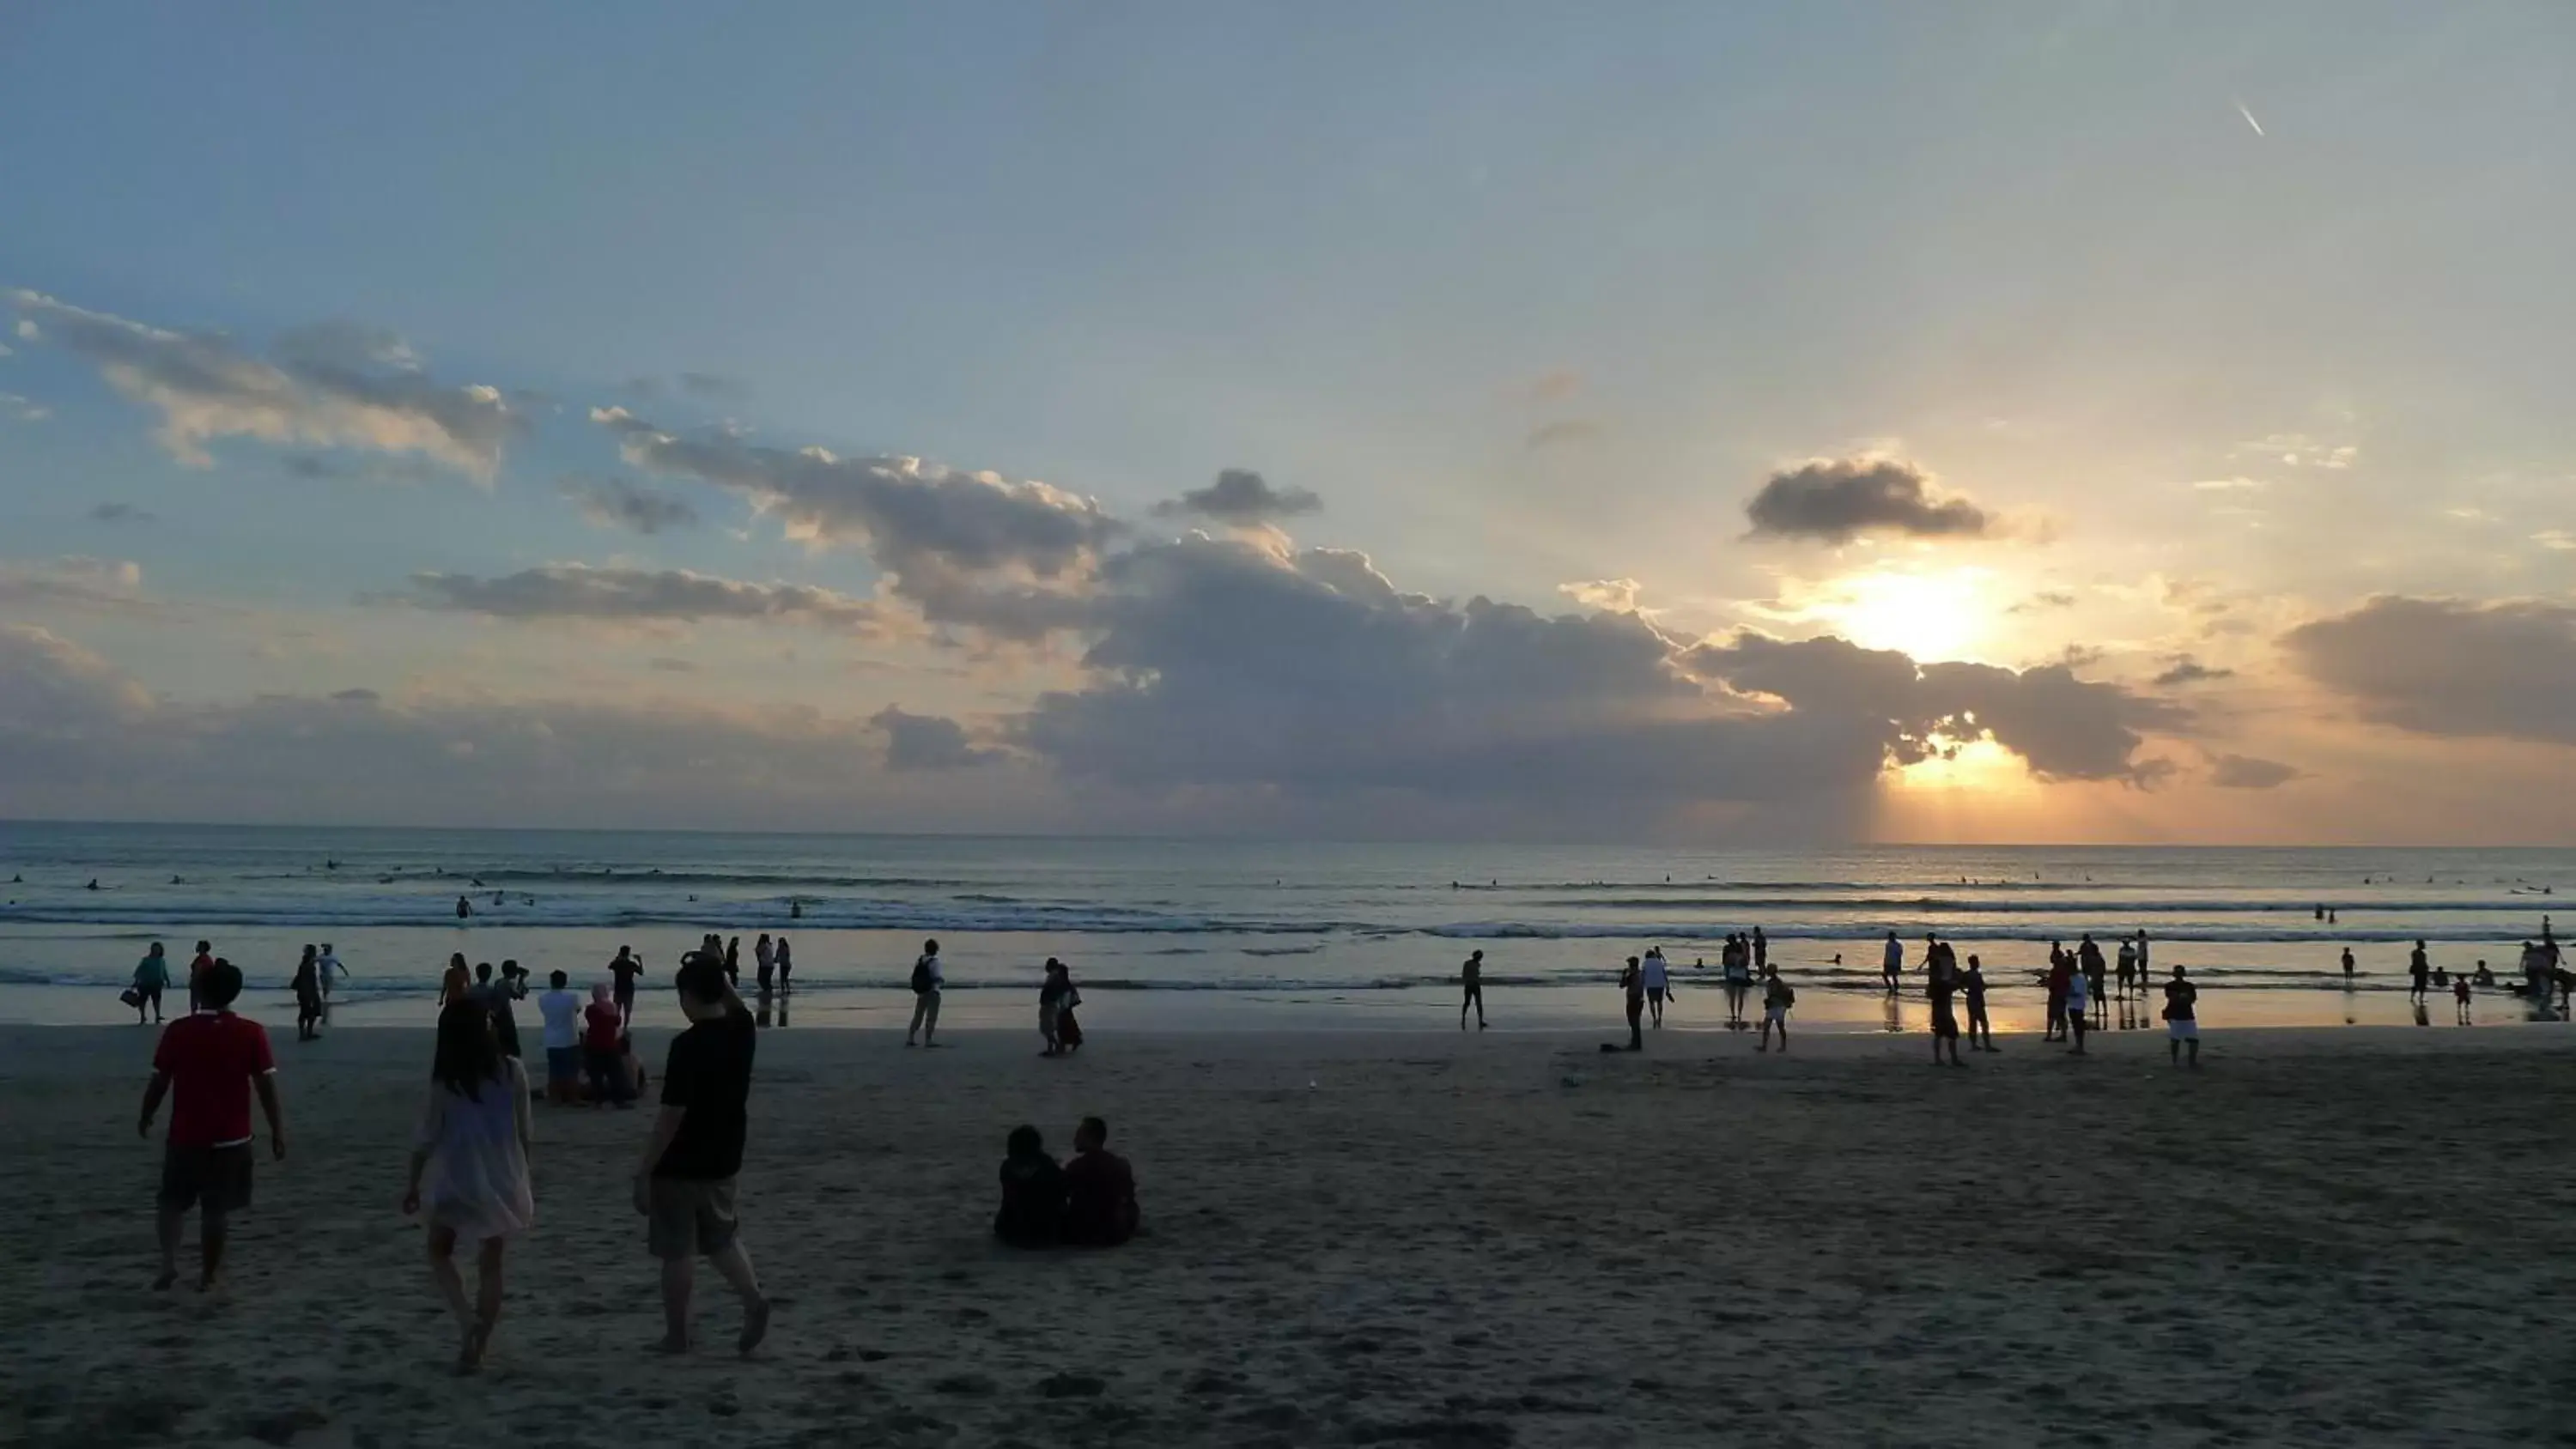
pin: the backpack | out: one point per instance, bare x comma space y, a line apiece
921, 982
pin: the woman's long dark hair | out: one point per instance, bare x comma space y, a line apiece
467, 1055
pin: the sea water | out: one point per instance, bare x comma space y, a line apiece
1216, 933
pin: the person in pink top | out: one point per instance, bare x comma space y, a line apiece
209, 1064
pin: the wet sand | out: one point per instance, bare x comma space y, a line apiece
1358, 1238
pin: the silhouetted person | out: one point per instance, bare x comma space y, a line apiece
1099, 1191
1472, 975
1033, 1191
2182, 1019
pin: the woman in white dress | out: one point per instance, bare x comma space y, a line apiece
469, 1168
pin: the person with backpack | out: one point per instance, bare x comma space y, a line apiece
1777, 997
926, 982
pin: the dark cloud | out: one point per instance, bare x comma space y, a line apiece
358, 467
120, 513
356, 696
1226, 663
333, 385
2186, 670
971, 549
620, 503
1241, 498
79, 739
2245, 772
2445, 667
929, 742
1838, 500
579, 591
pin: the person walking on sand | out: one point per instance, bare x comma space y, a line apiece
1471, 974
926, 983
621, 974
1892, 963
209, 1063
151, 978
469, 1170
326, 967
1777, 997
684, 1184
1052, 991
1632, 986
764, 961
1940, 986
2182, 1020
2419, 971
1659, 983
2079, 1001
1981, 1032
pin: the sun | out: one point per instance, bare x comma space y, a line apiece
1929, 616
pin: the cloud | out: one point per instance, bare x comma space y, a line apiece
579, 591
1619, 596
2298, 450
2445, 667
2186, 670
1243, 499
666, 665
928, 742
1243, 666
119, 513
2245, 772
22, 410
1838, 500
78, 738
336, 467
2232, 485
619, 503
705, 386
74, 582
335, 385
1565, 432
2556, 540
2048, 599
1015, 559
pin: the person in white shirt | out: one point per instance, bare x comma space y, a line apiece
1659, 983
561, 1009
326, 968
926, 981
1891, 963
2079, 994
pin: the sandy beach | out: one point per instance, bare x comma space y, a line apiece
1367, 1238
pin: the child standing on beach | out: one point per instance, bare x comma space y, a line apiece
2460, 997
210, 1064
469, 1168
1777, 997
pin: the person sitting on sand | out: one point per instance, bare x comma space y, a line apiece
1099, 1191
1777, 997
561, 1011
209, 1063
602, 1026
151, 978
2182, 1019
457, 984
469, 1169
2485, 977
1032, 1211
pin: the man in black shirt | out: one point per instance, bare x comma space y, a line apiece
684, 1185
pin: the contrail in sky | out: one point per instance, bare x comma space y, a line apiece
2249, 118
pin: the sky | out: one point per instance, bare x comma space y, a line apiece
1714, 424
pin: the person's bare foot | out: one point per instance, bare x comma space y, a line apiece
469, 1357
162, 1284
671, 1345
755, 1326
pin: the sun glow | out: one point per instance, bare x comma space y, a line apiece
1931, 616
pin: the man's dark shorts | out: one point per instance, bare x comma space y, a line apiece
219, 1177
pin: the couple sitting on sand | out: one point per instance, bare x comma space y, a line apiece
1089, 1202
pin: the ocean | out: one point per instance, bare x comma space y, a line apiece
1237, 933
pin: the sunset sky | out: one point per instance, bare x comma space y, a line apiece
1977, 422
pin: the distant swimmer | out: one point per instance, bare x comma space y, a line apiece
93, 884
464, 909
1471, 974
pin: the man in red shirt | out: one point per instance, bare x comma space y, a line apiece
209, 1064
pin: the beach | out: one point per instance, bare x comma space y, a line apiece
1376, 1237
